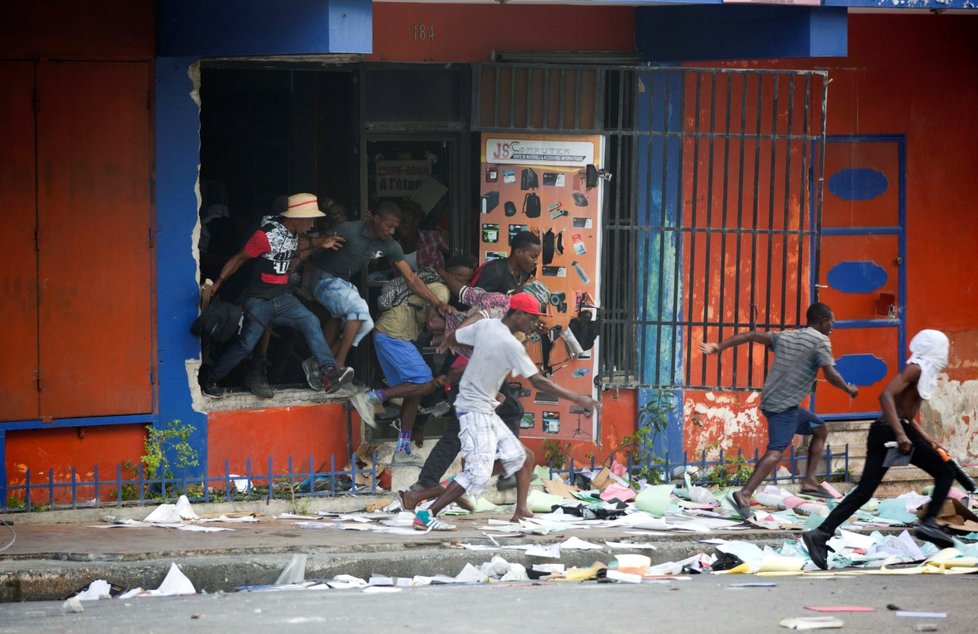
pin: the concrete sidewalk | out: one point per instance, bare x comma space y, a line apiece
56, 553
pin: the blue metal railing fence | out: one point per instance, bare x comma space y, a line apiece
137, 489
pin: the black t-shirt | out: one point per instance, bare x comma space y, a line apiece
272, 248
496, 277
357, 251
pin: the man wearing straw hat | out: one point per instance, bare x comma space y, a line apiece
273, 247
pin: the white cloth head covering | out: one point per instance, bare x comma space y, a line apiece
928, 349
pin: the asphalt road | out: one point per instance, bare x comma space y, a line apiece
707, 603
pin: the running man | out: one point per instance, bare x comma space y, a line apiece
900, 402
798, 354
488, 445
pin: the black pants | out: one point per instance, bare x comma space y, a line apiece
443, 453
924, 457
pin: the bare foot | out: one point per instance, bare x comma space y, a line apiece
407, 500
810, 485
521, 514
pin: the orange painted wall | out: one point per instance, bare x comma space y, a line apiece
468, 33
925, 88
83, 448
300, 432
618, 415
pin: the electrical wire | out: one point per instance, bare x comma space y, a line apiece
13, 534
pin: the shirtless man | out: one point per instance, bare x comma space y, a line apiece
900, 402
488, 445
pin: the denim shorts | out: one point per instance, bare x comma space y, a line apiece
781, 426
400, 360
343, 300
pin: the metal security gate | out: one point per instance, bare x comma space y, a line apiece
711, 217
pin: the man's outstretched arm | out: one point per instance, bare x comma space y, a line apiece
754, 336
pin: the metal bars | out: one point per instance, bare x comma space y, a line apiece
711, 219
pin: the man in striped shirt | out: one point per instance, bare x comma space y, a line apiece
798, 355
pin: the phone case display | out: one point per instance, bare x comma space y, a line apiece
537, 183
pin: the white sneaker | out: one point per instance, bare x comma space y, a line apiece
365, 407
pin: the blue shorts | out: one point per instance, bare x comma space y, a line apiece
781, 426
343, 300
400, 360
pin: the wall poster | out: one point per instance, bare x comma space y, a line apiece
537, 183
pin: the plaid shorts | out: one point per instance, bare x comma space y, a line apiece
485, 439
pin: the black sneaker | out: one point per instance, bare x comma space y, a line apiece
256, 380
506, 483
311, 369
335, 378
816, 542
211, 389
929, 531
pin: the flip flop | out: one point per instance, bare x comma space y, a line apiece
816, 493
744, 511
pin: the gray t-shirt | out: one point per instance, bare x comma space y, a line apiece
496, 353
798, 354
358, 250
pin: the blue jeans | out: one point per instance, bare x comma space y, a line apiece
284, 310
343, 300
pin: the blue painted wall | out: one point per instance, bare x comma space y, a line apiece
740, 32
178, 296
208, 28
659, 110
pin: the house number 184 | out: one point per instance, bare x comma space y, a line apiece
423, 32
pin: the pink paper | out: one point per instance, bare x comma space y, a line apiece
618, 492
618, 469
956, 494
832, 490
792, 501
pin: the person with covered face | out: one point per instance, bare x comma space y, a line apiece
900, 403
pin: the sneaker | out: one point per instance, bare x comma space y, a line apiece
929, 531
506, 483
335, 378
211, 389
257, 381
364, 405
311, 369
425, 521
816, 542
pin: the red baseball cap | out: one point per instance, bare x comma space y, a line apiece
526, 303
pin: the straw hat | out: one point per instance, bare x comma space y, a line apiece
303, 206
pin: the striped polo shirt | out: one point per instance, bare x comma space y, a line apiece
798, 354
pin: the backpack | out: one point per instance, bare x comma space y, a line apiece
528, 179
585, 329
219, 322
531, 205
395, 291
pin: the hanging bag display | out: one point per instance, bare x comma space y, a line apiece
531, 205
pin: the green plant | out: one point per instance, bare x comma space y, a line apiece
653, 419
175, 436
555, 453
729, 471
128, 491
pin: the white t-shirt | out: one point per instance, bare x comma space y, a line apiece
496, 353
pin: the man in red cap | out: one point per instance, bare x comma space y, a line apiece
488, 445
